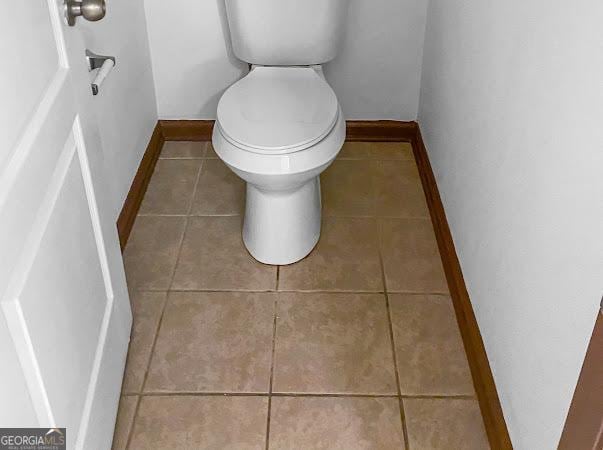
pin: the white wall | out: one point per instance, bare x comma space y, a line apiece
125, 107
378, 72
376, 75
511, 109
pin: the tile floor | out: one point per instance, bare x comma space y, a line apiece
354, 347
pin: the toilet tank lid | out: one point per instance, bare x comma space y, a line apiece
278, 109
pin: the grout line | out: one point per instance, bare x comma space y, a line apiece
278, 276
205, 148
393, 345
202, 394
159, 215
186, 222
216, 215
147, 368
271, 370
317, 291
182, 158
155, 337
441, 294
164, 306
332, 395
157, 328
133, 424
165, 301
195, 187
300, 394
439, 397
180, 245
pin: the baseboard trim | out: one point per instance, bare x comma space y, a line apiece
187, 130
356, 130
379, 131
584, 422
131, 205
483, 380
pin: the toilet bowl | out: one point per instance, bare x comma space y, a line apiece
278, 128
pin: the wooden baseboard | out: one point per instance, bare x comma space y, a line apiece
584, 423
382, 131
483, 380
356, 130
126, 218
187, 130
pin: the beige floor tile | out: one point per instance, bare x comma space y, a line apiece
445, 424
429, 349
398, 190
210, 153
392, 150
146, 312
214, 342
219, 192
216, 422
335, 423
356, 150
376, 150
151, 253
183, 149
125, 418
410, 256
213, 256
171, 188
333, 343
347, 188
346, 258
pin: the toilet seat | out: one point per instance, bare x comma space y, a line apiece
277, 110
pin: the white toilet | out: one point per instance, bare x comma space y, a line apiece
281, 125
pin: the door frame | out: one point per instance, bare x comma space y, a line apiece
584, 424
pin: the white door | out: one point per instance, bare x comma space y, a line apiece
65, 317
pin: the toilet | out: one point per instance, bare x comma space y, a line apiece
281, 125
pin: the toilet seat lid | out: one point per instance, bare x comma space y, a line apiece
278, 110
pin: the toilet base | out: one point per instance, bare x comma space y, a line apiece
282, 227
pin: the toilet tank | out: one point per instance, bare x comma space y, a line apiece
286, 32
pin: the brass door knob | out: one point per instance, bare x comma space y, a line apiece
91, 10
